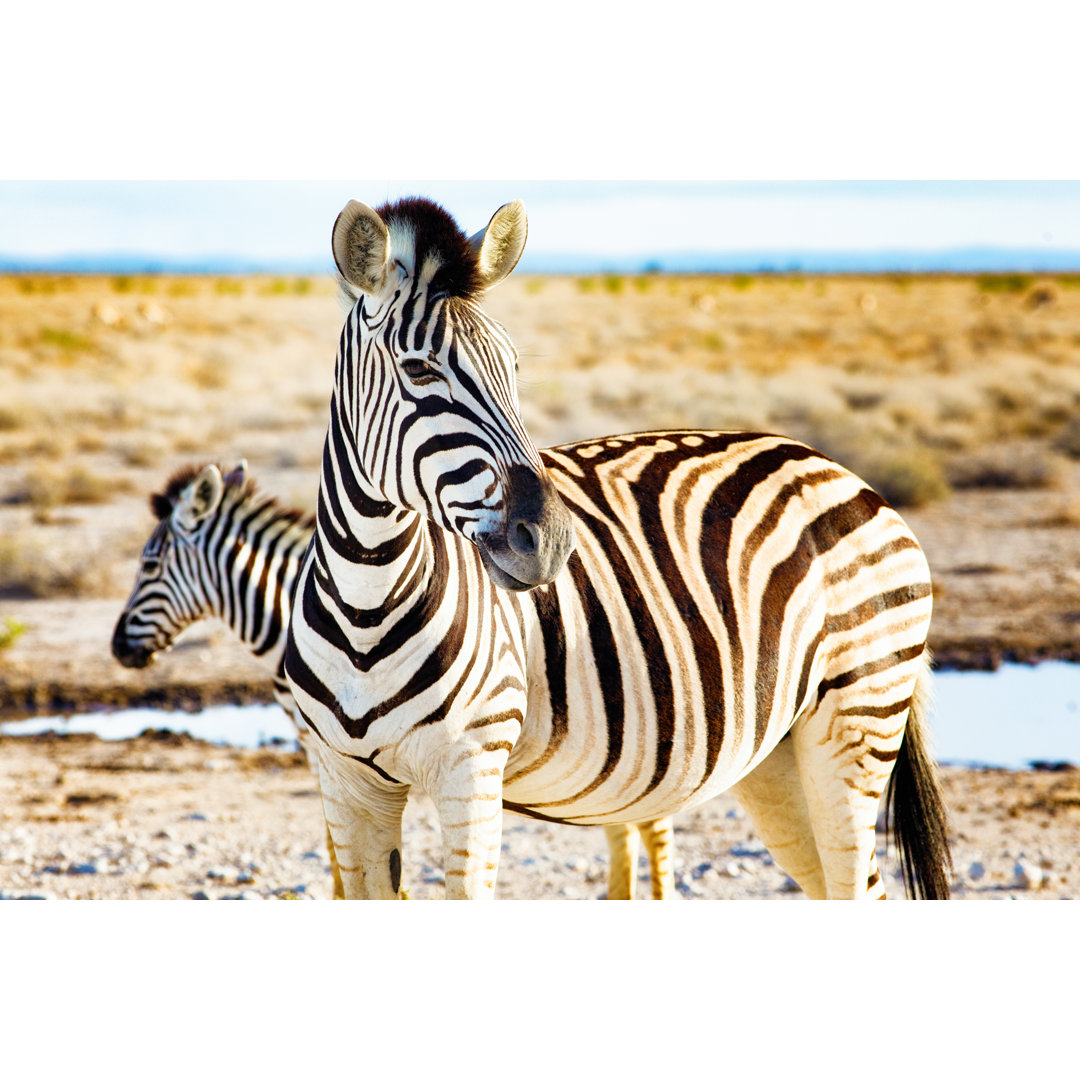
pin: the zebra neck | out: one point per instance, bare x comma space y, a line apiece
377, 570
258, 557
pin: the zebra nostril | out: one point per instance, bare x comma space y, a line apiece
525, 538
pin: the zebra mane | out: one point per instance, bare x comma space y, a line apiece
436, 233
163, 502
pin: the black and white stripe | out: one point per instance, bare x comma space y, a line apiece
223, 548
738, 611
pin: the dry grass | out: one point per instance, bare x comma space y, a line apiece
36, 566
48, 487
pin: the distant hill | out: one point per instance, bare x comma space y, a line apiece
972, 260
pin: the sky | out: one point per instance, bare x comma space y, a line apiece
289, 221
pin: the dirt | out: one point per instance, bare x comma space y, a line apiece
165, 816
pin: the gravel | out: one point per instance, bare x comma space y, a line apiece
145, 818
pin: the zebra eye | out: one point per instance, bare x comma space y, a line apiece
151, 564
420, 371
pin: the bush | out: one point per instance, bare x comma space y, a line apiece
10, 632
907, 478
30, 568
1016, 468
1003, 283
1068, 439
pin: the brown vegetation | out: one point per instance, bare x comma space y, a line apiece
956, 397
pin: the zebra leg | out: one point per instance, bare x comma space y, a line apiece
658, 837
468, 799
307, 744
774, 800
845, 752
622, 867
363, 820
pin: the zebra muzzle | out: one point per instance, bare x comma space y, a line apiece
536, 536
132, 654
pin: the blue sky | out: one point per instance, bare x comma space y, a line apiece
291, 219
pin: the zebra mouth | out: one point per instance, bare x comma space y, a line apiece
137, 656
500, 577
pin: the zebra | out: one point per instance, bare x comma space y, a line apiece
222, 547
604, 632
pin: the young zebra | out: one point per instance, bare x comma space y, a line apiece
738, 612
222, 547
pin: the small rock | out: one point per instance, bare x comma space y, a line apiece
244, 878
201, 895
976, 871
790, 885
82, 868
735, 815
194, 817
570, 893
578, 863
751, 849
1027, 876
731, 869
217, 873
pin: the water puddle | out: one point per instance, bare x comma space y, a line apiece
1006, 718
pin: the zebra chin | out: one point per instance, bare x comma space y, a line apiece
516, 574
131, 654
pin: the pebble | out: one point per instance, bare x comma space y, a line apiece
83, 868
1027, 876
578, 862
976, 871
751, 849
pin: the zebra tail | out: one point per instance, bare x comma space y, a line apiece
914, 805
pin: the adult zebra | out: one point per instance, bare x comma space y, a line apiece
222, 547
739, 612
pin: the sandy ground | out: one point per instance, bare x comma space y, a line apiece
110, 384
169, 817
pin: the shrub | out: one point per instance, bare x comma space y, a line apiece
47, 487
907, 478
1017, 468
10, 632
1068, 439
1003, 283
31, 568
65, 339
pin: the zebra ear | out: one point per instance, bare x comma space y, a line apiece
499, 246
361, 246
200, 498
238, 475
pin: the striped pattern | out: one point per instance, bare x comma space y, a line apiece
739, 613
240, 563
220, 548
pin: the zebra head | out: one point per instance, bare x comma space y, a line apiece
171, 584
426, 385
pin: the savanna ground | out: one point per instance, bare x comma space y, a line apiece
956, 397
